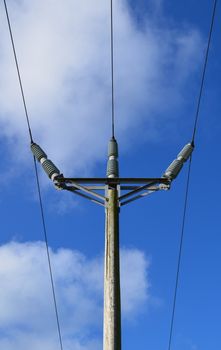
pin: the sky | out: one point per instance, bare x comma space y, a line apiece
63, 51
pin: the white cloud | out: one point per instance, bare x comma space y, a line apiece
136, 283
27, 317
63, 50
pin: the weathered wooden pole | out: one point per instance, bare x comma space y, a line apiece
112, 303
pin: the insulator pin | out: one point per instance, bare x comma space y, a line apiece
51, 170
186, 152
112, 164
38, 152
175, 167
112, 168
113, 148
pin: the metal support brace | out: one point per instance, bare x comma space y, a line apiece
84, 189
89, 192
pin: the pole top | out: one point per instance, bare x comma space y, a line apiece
112, 164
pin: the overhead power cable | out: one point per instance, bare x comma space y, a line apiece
204, 70
112, 69
205, 64
37, 178
17, 68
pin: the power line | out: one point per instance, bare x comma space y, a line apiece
188, 176
48, 254
18, 71
180, 253
112, 69
37, 178
204, 70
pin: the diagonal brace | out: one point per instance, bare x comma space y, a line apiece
89, 191
137, 190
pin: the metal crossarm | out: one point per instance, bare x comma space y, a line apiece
112, 181
80, 187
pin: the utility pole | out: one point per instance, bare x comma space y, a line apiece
112, 301
112, 200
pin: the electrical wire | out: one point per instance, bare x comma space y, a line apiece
112, 69
48, 254
18, 71
37, 178
204, 70
180, 253
189, 176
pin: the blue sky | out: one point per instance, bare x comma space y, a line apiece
63, 50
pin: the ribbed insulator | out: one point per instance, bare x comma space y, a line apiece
186, 152
174, 169
38, 151
50, 168
113, 148
112, 168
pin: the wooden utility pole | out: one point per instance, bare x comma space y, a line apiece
112, 303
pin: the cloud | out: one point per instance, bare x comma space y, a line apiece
64, 54
27, 316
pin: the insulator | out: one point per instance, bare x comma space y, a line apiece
113, 148
186, 152
112, 164
38, 151
174, 169
50, 168
112, 168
